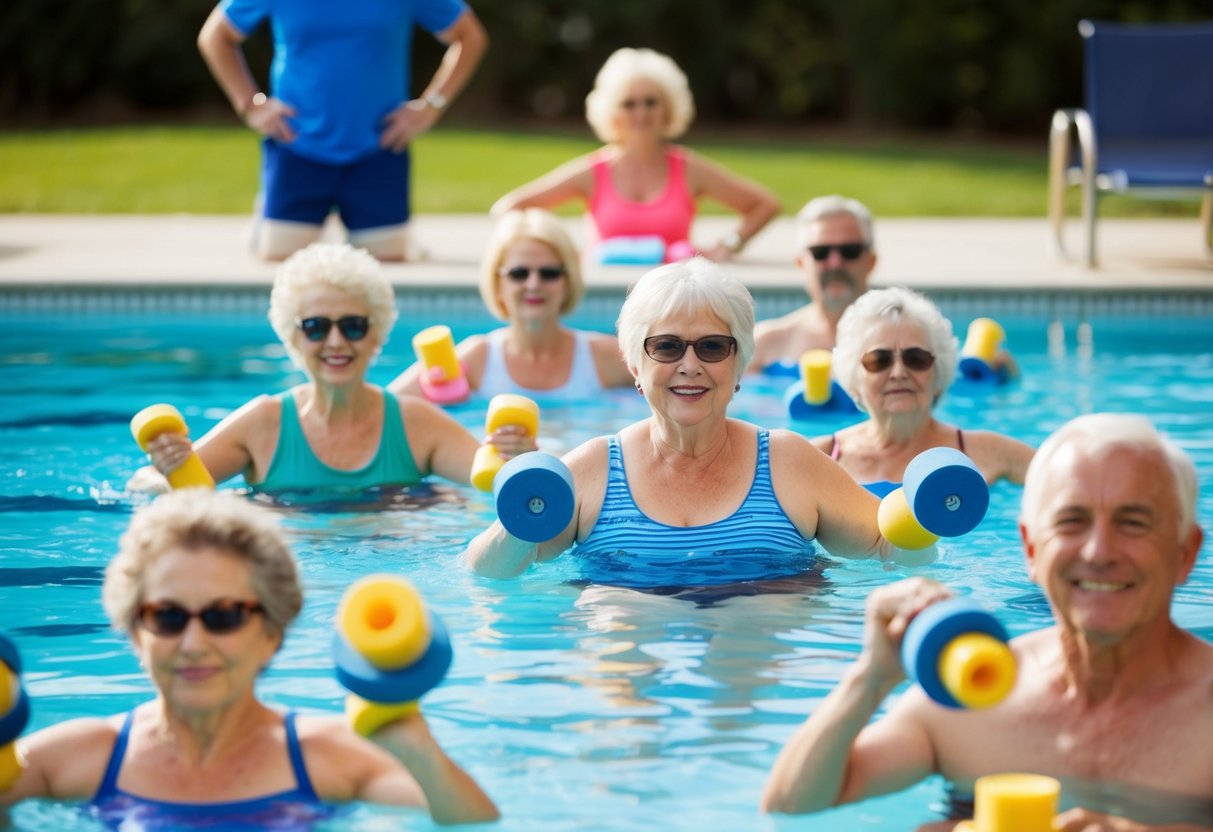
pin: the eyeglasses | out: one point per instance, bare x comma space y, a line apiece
167, 618
711, 349
352, 327
519, 274
649, 102
914, 358
849, 251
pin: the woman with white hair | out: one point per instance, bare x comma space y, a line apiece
333, 309
641, 184
689, 496
206, 586
530, 277
895, 357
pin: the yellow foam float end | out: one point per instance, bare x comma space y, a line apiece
898, 524
436, 348
512, 409
983, 339
485, 466
368, 717
8, 689
977, 669
384, 619
1015, 803
10, 766
152, 421
815, 372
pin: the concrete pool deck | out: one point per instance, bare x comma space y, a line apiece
64, 251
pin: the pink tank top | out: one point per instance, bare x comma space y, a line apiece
669, 216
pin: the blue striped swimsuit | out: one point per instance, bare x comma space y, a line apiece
628, 548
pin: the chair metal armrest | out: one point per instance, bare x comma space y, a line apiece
1076, 122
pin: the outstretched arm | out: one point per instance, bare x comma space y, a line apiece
572, 180
833, 758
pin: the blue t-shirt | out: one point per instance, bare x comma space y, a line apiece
342, 65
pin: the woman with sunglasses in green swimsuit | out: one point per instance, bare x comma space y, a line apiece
205, 585
895, 357
333, 310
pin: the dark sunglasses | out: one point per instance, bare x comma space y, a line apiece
649, 102
519, 274
914, 358
849, 251
670, 348
352, 327
170, 619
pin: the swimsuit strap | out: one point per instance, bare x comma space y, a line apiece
109, 782
303, 783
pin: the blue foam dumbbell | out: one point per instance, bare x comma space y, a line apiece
957, 653
946, 492
534, 496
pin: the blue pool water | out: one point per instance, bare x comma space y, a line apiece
577, 708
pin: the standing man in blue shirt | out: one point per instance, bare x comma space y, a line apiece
338, 118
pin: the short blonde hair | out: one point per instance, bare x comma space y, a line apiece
693, 286
622, 68
340, 266
193, 519
1103, 431
892, 304
530, 224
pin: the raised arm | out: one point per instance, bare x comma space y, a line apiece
835, 756
472, 353
466, 42
62, 762
220, 44
572, 180
756, 205
998, 456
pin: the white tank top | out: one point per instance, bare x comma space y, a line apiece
582, 382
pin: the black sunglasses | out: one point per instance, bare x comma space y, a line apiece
914, 358
352, 327
649, 102
167, 618
849, 251
519, 274
670, 348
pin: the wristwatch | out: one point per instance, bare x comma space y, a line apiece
435, 99
732, 241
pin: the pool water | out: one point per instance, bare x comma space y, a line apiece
588, 708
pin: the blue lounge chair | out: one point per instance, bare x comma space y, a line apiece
1147, 128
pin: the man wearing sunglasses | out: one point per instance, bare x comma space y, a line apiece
836, 255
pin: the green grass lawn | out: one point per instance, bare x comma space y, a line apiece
213, 170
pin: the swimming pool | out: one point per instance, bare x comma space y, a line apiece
577, 708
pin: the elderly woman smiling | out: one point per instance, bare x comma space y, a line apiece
333, 310
530, 277
690, 496
896, 355
205, 585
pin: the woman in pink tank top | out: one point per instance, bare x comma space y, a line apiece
640, 188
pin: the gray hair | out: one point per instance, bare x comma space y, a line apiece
829, 206
1112, 430
530, 224
340, 266
622, 68
193, 519
692, 286
892, 304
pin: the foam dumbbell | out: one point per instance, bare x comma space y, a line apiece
943, 494
152, 421
14, 712
533, 493
388, 650
442, 379
1013, 803
957, 653
816, 394
504, 409
982, 341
